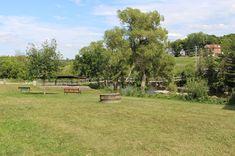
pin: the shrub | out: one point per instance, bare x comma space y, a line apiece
131, 91
172, 87
94, 86
231, 100
197, 90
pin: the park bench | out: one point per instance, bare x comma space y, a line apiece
71, 90
24, 88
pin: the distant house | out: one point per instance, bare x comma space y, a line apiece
214, 48
182, 52
170, 51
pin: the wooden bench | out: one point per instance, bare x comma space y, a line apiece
24, 89
71, 90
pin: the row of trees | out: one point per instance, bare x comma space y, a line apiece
40, 63
199, 40
136, 48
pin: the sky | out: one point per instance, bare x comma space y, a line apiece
76, 23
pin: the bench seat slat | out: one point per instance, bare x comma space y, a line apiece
72, 90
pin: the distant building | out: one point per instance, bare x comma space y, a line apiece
214, 48
170, 51
182, 52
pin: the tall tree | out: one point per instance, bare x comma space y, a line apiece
228, 48
230, 70
119, 52
177, 46
146, 38
44, 62
195, 39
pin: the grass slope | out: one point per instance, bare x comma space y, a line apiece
58, 124
181, 62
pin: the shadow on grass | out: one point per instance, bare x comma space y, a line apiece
39, 93
229, 107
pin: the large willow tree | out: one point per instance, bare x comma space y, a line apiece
147, 41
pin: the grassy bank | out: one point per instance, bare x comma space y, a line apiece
182, 62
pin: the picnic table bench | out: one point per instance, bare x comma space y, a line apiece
71, 90
24, 88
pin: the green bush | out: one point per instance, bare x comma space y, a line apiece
231, 100
197, 90
172, 87
94, 86
131, 91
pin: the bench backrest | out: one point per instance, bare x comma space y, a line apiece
71, 90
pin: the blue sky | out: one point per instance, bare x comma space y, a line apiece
75, 23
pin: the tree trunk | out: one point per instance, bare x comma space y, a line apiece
129, 74
143, 81
106, 83
44, 88
115, 86
122, 82
98, 82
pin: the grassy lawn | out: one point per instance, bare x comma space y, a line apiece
58, 124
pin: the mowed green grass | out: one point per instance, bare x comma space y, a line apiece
181, 62
58, 124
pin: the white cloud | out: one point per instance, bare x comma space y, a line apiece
185, 16
175, 35
78, 2
60, 18
104, 10
17, 32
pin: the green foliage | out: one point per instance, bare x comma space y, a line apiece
231, 100
211, 68
44, 62
182, 62
91, 61
228, 43
66, 68
13, 67
198, 39
119, 53
197, 89
177, 46
172, 87
94, 86
230, 70
137, 49
163, 68
147, 40
189, 71
131, 91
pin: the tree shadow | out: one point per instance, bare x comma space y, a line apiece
229, 107
39, 93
